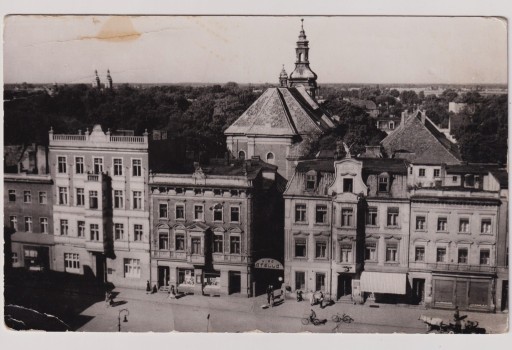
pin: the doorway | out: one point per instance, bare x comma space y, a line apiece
234, 282
461, 295
100, 268
344, 285
418, 290
320, 282
163, 276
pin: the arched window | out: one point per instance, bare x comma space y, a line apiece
241, 155
270, 158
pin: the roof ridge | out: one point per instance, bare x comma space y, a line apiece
302, 107
287, 111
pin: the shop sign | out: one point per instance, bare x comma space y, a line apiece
268, 263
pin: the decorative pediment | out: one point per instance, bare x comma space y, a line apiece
486, 243
464, 241
219, 229
235, 230
443, 240
396, 237
372, 235
344, 238
162, 226
300, 233
179, 227
323, 233
198, 227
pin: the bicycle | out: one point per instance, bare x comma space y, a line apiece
306, 320
342, 318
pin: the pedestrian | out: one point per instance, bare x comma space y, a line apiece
172, 294
107, 298
321, 300
312, 298
272, 299
148, 288
154, 289
269, 291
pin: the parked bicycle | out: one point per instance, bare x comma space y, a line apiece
342, 318
306, 320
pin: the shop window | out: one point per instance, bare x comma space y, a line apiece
348, 185
300, 213
180, 242
132, 268
464, 225
218, 244
72, 262
486, 227
346, 253
393, 217
441, 255
371, 216
485, 257
442, 224
420, 223
321, 214
347, 217
419, 253
300, 248
137, 232
321, 250
234, 244
392, 252
370, 251
300, 280
462, 256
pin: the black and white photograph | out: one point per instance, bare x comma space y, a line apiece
276, 174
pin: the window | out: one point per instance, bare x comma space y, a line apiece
180, 241
300, 280
12, 195
28, 224
485, 227
43, 225
137, 232
419, 253
95, 232
300, 248
410, 171
196, 246
391, 125
393, 216
370, 251
321, 250
62, 166
392, 252
421, 172
137, 200
163, 241
310, 182
300, 213
198, 213
270, 158
383, 183
320, 281
485, 257
63, 195
462, 256
241, 155
79, 165
321, 214
420, 223
235, 214
118, 199
80, 197
71, 262
346, 253
118, 231
218, 244
455, 178
14, 258
234, 244
371, 216
93, 199
132, 268
441, 255
64, 227
136, 167
98, 165
464, 225
43, 198
27, 197
162, 209
442, 223
180, 212
347, 217
437, 172
81, 228
348, 185
118, 167
13, 222
217, 212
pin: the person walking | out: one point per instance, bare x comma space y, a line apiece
312, 300
269, 292
148, 288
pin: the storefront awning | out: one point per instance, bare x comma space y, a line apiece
380, 282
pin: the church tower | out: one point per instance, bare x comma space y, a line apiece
303, 75
109, 80
283, 78
96, 82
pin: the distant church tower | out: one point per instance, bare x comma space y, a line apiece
109, 80
283, 78
303, 75
96, 82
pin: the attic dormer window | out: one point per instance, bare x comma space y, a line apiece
348, 185
384, 182
310, 182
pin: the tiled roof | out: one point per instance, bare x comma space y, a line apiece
423, 141
470, 168
282, 112
502, 176
366, 104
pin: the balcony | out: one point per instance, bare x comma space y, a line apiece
93, 177
453, 267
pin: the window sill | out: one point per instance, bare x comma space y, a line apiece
391, 263
322, 223
464, 233
321, 259
301, 223
180, 219
486, 234
393, 227
370, 261
443, 232
300, 257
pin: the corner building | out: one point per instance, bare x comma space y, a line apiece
101, 217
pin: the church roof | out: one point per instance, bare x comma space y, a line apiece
428, 145
282, 112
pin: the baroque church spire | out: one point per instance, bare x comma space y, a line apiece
303, 75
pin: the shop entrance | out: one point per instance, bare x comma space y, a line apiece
163, 276
234, 282
418, 290
461, 295
344, 285
37, 258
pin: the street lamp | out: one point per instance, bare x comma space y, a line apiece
127, 312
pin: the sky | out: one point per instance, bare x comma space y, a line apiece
214, 49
